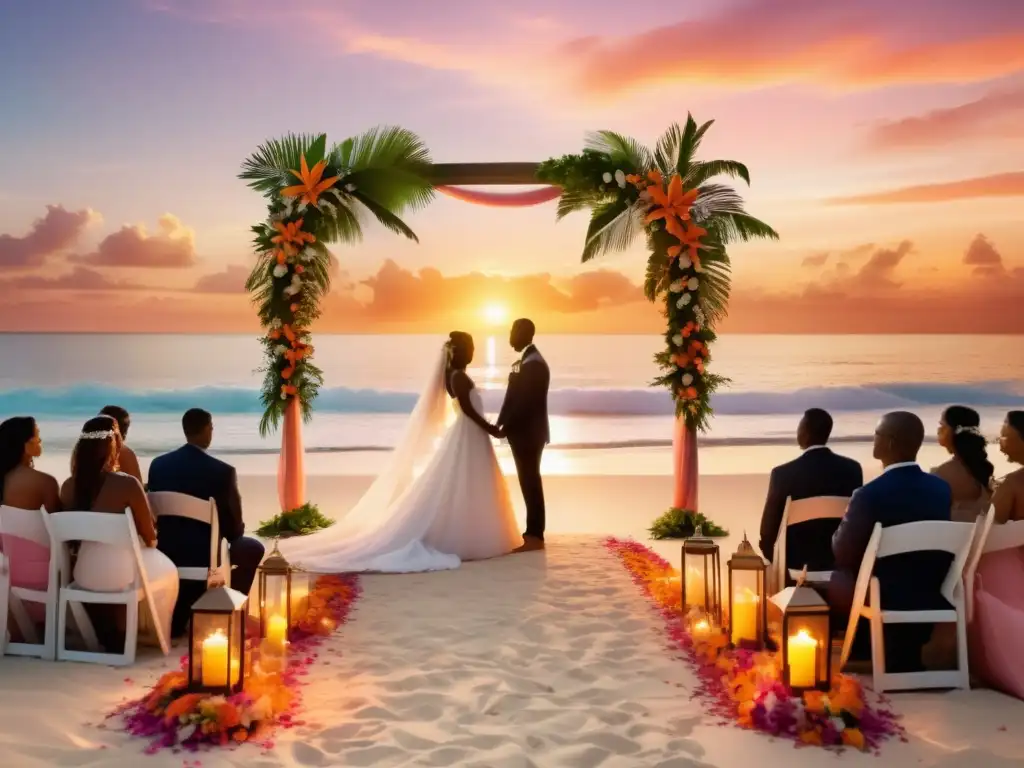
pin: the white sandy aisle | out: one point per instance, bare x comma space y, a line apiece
531, 660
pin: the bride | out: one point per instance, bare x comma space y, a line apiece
458, 508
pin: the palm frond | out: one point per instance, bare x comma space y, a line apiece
621, 149
388, 219
690, 143
571, 201
744, 227
342, 226
656, 279
613, 226
395, 188
718, 199
269, 168
702, 171
666, 153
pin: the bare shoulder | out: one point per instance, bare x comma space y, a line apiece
463, 380
944, 469
1015, 480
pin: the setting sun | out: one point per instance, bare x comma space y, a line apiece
495, 314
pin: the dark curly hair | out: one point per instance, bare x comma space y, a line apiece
460, 355
15, 433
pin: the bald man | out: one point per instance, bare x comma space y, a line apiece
904, 493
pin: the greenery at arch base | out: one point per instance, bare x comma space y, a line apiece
319, 195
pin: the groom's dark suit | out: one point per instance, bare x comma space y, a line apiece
524, 420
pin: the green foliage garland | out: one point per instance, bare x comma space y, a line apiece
628, 189
317, 196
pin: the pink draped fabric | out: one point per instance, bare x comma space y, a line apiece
684, 464
291, 474
503, 199
998, 623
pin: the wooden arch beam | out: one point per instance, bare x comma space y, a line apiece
484, 174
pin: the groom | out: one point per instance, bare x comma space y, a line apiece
524, 422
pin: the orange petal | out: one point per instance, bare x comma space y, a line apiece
675, 189
660, 213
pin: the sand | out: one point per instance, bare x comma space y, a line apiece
540, 659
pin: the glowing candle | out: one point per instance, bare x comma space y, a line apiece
694, 587
277, 632
744, 617
802, 657
215, 661
701, 630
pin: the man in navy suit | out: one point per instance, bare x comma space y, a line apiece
816, 472
904, 493
194, 472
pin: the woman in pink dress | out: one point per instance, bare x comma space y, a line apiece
24, 490
998, 622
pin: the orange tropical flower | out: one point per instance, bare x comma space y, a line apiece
290, 235
671, 203
691, 239
312, 187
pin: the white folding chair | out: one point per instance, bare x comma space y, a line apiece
116, 531
924, 536
802, 511
5, 587
27, 527
170, 504
990, 538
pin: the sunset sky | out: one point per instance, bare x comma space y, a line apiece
885, 142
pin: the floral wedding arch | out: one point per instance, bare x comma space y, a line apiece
318, 196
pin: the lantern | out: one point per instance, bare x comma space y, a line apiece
747, 605
806, 638
702, 577
217, 658
283, 596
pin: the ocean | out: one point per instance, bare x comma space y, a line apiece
599, 395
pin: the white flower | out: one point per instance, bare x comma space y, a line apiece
350, 187
620, 179
280, 270
330, 208
284, 396
606, 178
676, 287
684, 262
678, 339
302, 206
771, 699
280, 349
276, 323
687, 379
685, 299
838, 724
261, 708
693, 283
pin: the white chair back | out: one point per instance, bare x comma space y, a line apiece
28, 524
990, 538
170, 504
933, 536
98, 527
802, 511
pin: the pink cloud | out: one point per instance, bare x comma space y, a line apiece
999, 114
78, 279
997, 185
132, 246
55, 232
230, 280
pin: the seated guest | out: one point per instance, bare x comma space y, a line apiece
912, 581
24, 486
816, 472
25, 490
127, 461
194, 472
95, 486
968, 472
1008, 499
998, 620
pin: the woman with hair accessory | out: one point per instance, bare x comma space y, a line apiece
968, 471
95, 485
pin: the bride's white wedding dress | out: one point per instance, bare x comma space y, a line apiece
456, 508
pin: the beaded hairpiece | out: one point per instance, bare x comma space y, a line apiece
102, 434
